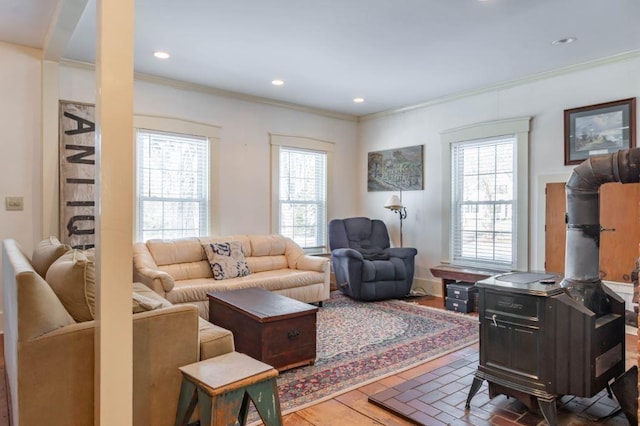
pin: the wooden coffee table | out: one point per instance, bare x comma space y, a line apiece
274, 329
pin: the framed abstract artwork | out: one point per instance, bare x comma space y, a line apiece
395, 169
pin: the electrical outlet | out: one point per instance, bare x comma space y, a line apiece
14, 203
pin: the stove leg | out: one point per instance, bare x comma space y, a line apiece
549, 411
609, 391
477, 382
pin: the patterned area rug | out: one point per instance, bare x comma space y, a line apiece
361, 342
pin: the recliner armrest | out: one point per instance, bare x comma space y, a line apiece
401, 252
347, 252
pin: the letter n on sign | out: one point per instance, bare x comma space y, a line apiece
77, 174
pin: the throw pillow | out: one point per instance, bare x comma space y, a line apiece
226, 260
46, 252
72, 278
143, 303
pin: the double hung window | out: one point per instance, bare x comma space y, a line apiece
303, 196
300, 168
486, 195
483, 209
173, 188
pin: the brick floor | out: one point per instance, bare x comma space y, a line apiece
438, 397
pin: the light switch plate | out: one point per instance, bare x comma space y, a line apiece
14, 203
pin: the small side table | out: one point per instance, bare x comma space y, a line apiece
332, 276
223, 386
451, 274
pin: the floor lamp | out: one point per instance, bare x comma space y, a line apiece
395, 205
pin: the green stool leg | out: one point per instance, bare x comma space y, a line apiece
204, 400
186, 403
244, 410
265, 397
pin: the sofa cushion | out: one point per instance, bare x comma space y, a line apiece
214, 340
72, 277
188, 291
46, 252
226, 260
170, 252
268, 245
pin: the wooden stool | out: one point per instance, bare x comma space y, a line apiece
223, 386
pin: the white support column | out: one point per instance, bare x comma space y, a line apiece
114, 204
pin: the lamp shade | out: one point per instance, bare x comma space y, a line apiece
393, 203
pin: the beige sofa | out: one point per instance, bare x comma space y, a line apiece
49, 356
179, 269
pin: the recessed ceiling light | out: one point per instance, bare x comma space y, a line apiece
277, 82
161, 55
358, 100
563, 41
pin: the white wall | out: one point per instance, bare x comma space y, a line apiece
244, 172
543, 99
19, 137
244, 147
20, 134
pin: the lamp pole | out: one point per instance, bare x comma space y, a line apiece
403, 215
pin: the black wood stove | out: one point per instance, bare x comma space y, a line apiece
538, 343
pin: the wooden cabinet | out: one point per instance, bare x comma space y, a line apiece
620, 218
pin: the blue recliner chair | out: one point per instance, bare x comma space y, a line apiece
364, 264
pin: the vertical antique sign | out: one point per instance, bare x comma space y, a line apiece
77, 174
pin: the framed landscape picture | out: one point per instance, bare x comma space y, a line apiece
599, 129
395, 169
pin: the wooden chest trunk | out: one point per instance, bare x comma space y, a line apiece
274, 329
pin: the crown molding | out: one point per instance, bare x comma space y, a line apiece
183, 85
505, 85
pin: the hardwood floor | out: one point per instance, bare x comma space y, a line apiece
4, 407
354, 409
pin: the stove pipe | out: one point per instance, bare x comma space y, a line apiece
582, 278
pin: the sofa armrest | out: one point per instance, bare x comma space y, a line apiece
163, 340
158, 281
59, 363
312, 263
146, 271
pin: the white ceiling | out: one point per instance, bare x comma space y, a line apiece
393, 53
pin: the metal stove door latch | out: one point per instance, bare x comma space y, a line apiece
493, 317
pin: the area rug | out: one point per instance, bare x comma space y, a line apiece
361, 342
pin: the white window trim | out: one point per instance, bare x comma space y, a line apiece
276, 141
519, 127
186, 127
